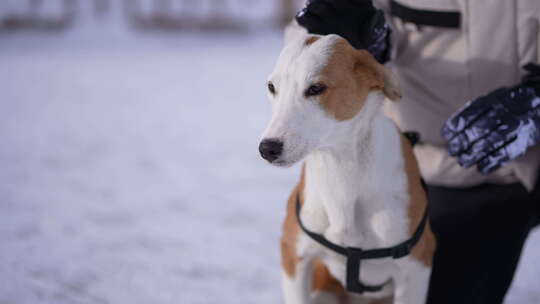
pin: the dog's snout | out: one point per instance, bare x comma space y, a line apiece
271, 149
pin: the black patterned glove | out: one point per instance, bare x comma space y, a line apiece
499, 127
358, 21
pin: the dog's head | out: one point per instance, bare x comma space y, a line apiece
317, 89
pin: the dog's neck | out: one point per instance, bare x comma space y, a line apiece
350, 184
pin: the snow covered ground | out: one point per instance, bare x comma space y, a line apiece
130, 171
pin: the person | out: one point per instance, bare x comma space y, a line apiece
460, 65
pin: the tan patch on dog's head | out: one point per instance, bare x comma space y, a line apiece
350, 75
311, 39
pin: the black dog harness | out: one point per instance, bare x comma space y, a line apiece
356, 255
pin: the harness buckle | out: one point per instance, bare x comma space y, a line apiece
354, 252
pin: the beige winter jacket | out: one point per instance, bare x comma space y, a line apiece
440, 69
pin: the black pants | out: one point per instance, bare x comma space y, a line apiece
480, 234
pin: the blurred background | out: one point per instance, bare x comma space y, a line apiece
129, 170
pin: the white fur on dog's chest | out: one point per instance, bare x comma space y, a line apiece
358, 198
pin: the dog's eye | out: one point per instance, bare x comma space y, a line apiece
271, 88
315, 89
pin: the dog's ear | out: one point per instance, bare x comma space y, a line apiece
391, 89
376, 76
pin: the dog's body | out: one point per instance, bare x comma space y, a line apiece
360, 185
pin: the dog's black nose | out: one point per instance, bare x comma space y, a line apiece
271, 149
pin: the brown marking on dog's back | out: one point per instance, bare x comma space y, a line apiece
289, 237
350, 75
424, 249
311, 39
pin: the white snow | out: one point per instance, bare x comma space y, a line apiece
130, 171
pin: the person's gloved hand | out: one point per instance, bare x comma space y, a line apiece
499, 127
358, 21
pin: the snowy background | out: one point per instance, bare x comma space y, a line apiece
129, 170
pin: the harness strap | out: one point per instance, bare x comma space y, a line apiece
356, 255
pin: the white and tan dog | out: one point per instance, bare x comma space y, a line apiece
360, 184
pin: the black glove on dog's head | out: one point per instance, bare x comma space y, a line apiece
358, 21
499, 127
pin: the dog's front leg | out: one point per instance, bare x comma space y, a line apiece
297, 284
412, 283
